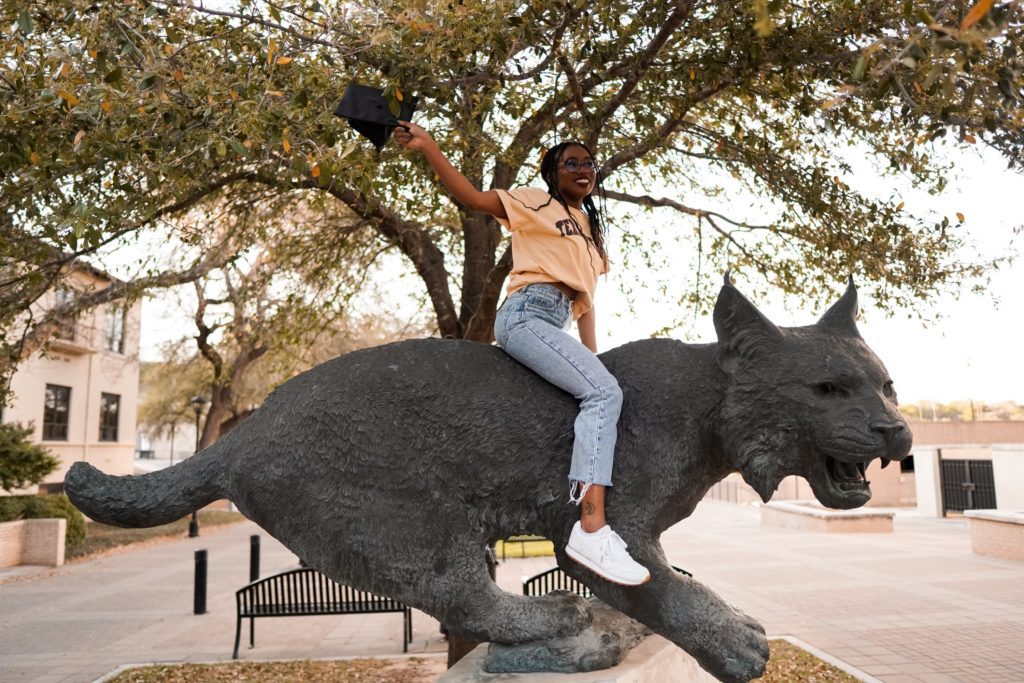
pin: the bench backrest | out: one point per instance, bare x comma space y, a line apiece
556, 579
307, 591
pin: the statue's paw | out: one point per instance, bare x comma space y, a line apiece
741, 651
569, 613
601, 645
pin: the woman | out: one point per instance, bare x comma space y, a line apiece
557, 253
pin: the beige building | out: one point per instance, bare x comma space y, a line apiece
81, 394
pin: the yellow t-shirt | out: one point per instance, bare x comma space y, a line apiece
548, 247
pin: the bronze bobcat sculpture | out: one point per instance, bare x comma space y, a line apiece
391, 468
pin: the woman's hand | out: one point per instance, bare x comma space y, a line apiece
414, 137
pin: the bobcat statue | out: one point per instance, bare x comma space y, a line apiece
392, 468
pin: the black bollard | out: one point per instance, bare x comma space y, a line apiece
199, 606
254, 557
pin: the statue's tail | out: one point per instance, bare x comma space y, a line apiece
151, 499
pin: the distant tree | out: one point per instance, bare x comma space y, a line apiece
22, 463
167, 386
1008, 410
270, 313
963, 411
911, 411
164, 391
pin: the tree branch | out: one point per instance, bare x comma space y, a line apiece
39, 332
259, 21
418, 247
700, 214
639, 69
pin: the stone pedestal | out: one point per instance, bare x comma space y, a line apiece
655, 660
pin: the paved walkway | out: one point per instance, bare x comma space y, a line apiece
914, 605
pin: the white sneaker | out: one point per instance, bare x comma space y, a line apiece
604, 553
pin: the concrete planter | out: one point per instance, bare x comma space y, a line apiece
32, 541
999, 533
808, 516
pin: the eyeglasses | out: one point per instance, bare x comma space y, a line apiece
574, 165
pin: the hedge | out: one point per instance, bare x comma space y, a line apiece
45, 507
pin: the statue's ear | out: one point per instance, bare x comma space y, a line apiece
842, 316
742, 329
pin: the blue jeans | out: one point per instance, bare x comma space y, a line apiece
530, 326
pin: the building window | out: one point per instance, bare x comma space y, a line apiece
55, 413
65, 325
115, 328
109, 404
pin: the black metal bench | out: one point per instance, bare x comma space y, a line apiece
307, 592
556, 579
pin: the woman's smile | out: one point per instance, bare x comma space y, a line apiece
576, 174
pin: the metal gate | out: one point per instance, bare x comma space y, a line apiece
967, 485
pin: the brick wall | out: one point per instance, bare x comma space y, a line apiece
947, 433
11, 539
1000, 539
889, 488
32, 541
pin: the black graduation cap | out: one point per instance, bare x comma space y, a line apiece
368, 112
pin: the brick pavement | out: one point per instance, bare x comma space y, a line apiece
79, 622
912, 606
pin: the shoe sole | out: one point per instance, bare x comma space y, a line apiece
586, 563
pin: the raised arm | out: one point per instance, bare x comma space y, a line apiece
414, 137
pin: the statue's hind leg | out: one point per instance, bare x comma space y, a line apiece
472, 605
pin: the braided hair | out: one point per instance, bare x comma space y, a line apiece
549, 172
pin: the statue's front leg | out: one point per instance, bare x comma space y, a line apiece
725, 641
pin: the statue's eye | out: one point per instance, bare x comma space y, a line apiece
829, 390
887, 390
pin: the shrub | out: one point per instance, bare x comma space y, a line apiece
45, 507
22, 463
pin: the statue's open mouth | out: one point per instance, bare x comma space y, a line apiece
847, 476
845, 484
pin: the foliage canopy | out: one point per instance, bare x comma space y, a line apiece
121, 118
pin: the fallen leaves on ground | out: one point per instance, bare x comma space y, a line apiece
790, 663
411, 670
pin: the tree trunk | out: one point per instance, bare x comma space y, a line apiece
480, 292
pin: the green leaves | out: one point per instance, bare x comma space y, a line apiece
858, 68
181, 107
22, 462
25, 23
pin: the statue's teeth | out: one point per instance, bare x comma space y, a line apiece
885, 462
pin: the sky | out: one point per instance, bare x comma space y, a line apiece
963, 345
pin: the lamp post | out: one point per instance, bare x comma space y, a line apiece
197, 405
